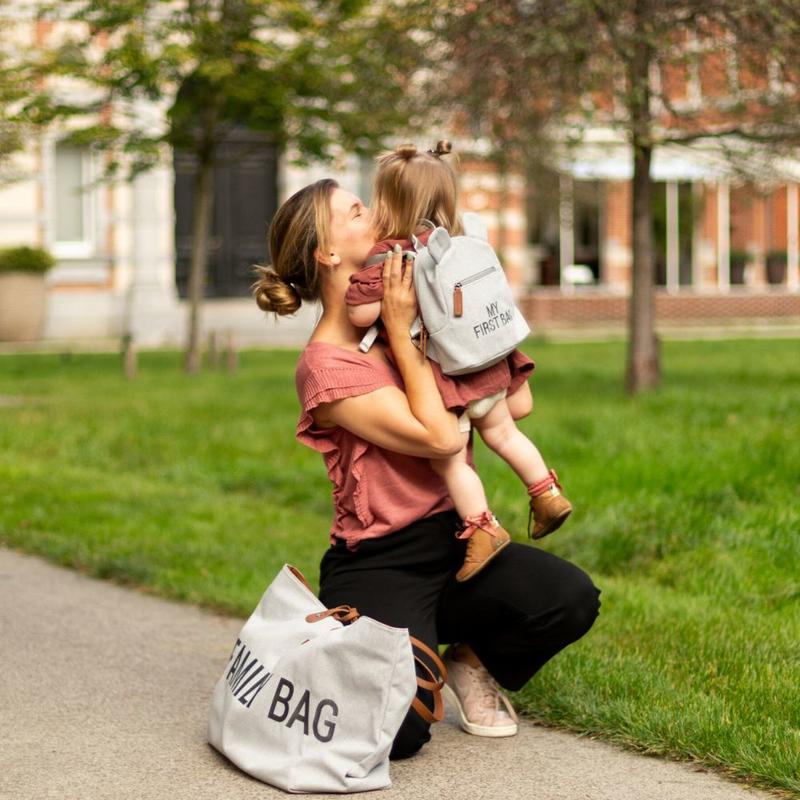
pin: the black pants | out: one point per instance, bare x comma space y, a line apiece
516, 614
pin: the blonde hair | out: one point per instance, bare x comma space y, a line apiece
299, 229
411, 186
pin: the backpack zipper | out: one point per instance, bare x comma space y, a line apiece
458, 298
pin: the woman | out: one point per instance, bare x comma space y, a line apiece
393, 552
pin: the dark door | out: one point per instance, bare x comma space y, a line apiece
245, 200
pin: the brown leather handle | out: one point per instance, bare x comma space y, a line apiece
437, 715
344, 614
432, 655
299, 575
434, 685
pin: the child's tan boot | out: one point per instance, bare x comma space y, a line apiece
549, 508
485, 539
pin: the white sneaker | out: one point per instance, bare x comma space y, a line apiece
483, 708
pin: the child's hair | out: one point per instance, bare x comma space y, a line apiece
411, 186
299, 229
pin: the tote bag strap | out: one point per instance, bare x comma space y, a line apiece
433, 685
346, 614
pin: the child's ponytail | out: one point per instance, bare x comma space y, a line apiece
413, 185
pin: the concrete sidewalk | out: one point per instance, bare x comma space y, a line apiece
105, 693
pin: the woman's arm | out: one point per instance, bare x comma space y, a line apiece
417, 422
384, 418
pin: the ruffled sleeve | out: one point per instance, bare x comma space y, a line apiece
326, 373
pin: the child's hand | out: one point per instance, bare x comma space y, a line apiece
399, 306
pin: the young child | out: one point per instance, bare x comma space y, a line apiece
411, 186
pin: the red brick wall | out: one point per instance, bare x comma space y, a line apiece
547, 308
777, 220
618, 212
742, 233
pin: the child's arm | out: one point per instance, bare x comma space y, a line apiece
364, 315
363, 296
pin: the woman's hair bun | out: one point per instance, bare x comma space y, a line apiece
406, 151
443, 148
274, 294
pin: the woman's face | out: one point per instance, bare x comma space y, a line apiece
351, 234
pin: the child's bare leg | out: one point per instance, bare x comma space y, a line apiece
549, 508
485, 538
500, 433
520, 404
463, 484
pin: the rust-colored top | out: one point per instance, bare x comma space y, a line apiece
375, 491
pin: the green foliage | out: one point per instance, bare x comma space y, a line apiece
308, 75
25, 259
13, 79
686, 517
535, 75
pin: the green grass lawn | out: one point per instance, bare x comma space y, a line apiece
687, 516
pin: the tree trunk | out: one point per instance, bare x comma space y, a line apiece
643, 367
502, 202
202, 206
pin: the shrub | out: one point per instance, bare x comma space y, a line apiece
776, 266
25, 259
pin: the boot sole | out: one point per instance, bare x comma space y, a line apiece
471, 727
488, 560
554, 525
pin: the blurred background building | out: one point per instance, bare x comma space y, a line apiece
726, 248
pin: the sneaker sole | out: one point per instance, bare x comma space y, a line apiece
499, 732
554, 525
488, 561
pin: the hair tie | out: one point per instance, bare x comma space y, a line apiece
443, 148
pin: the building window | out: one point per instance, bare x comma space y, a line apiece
72, 204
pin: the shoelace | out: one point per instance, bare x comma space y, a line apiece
487, 691
485, 520
540, 487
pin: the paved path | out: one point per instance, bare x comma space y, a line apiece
104, 694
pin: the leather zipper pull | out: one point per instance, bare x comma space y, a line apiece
423, 340
458, 301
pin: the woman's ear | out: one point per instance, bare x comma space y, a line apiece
328, 259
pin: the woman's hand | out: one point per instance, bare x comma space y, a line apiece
414, 422
399, 305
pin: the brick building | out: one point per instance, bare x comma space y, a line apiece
724, 247
724, 250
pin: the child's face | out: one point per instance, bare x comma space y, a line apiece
351, 231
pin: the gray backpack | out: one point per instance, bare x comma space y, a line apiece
468, 317
465, 302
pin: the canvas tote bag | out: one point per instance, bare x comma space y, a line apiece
311, 698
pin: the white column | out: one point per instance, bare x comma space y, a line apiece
566, 229
673, 239
723, 237
793, 259
152, 301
